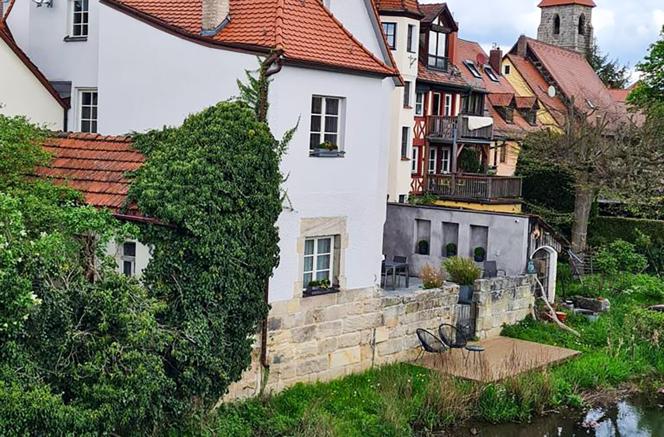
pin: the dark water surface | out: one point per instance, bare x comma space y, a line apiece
629, 418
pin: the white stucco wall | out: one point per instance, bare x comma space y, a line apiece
354, 15
149, 78
21, 93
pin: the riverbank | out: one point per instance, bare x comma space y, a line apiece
622, 346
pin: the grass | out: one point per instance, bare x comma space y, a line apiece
402, 400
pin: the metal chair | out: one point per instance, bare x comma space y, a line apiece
401, 260
455, 338
491, 270
430, 343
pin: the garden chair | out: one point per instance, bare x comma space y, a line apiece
430, 343
454, 338
491, 270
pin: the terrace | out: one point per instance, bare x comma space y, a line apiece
443, 129
475, 187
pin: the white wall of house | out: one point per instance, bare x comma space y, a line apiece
354, 14
21, 93
59, 60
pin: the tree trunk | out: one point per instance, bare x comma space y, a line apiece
583, 203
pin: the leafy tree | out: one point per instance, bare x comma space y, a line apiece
214, 184
649, 91
611, 72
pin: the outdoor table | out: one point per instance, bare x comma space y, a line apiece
395, 267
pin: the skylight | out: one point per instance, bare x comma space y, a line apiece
492, 75
473, 70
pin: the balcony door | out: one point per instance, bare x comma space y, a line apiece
435, 104
445, 160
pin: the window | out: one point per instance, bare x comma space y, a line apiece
470, 65
129, 258
435, 104
87, 110
411, 38
390, 30
437, 50
318, 260
325, 121
473, 104
402, 198
503, 154
582, 25
79, 18
405, 137
492, 75
556, 25
414, 161
433, 157
419, 103
448, 105
507, 70
406, 95
445, 160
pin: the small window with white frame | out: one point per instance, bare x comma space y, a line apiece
128, 258
79, 18
414, 161
320, 263
419, 104
448, 105
326, 123
87, 113
433, 158
390, 30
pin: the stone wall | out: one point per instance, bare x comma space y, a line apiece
502, 301
326, 337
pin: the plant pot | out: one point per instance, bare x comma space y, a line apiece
479, 259
450, 253
561, 316
466, 294
326, 153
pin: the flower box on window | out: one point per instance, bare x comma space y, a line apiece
327, 150
318, 288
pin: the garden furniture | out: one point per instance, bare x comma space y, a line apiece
455, 338
491, 270
396, 267
430, 343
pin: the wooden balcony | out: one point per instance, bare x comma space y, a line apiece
442, 128
475, 187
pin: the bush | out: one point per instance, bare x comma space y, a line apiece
431, 277
462, 271
620, 256
423, 247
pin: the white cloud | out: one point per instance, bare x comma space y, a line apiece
658, 18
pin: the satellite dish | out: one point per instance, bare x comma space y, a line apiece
481, 59
40, 3
552, 91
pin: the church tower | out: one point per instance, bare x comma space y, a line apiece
567, 24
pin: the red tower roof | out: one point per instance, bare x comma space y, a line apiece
547, 3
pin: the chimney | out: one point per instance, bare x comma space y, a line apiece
522, 46
496, 59
215, 16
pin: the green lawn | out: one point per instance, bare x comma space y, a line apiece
402, 400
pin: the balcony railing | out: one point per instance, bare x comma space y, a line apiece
475, 187
442, 128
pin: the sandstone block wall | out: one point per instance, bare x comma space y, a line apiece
502, 301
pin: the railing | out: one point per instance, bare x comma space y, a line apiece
442, 128
475, 187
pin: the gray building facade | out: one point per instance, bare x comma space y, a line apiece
568, 26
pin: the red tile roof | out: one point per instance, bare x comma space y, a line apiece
537, 84
408, 6
304, 30
95, 165
468, 51
525, 102
501, 100
451, 78
6, 36
547, 3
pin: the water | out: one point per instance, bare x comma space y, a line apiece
627, 418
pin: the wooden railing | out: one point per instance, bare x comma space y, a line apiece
442, 127
475, 187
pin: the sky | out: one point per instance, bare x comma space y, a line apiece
624, 28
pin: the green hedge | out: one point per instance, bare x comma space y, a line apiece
604, 230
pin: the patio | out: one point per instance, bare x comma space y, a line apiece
502, 358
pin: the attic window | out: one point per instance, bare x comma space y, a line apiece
492, 75
473, 70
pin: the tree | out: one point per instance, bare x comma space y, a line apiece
602, 149
649, 91
613, 74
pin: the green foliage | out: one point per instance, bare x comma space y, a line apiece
469, 161
479, 253
620, 256
611, 72
215, 185
649, 91
423, 247
20, 150
462, 271
424, 199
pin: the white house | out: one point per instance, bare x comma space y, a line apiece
23, 88
141, 64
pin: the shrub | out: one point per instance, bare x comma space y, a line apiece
620, 256
480, 254
432, 277
451, 250
462, 271
423, 247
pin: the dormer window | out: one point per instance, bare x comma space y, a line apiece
492, 74
472, 68
437, 50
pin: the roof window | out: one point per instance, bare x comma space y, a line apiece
492, 75
473, 70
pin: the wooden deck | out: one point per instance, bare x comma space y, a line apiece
503, 357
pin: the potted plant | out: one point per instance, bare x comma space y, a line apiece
327, 149
480, 254
423, 247
318, 287
463, 271
451, 250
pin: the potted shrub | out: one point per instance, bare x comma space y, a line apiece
480, 254
327, 149
463, 271
423, 247
318, 287
451, 250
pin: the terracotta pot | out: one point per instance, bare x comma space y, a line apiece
561, 316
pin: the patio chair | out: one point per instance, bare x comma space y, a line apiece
430, 343
454, 338
491, 270
401, 271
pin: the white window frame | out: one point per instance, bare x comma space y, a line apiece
435, 110
414, 160
93, 118
492, 74
131, 259
447, 111
470, 65
437, 48
419, 104
433, 160
405, 141
314, 263
323, 133
84, 25
445, 160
